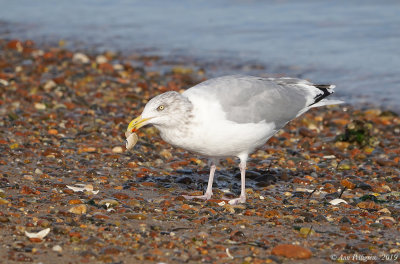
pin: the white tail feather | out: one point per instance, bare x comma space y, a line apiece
327, 102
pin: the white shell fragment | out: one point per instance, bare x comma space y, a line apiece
385, 218
337, 201
131, 141
57, 248
82, 188
80, 58
228, 253
40, 234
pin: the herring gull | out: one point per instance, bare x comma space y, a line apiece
230, 116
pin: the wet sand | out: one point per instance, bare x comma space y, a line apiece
63, 118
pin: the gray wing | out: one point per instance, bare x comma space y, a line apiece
248, 99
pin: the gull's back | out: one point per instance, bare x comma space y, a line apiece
249, 99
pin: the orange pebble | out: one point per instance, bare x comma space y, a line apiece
52, 131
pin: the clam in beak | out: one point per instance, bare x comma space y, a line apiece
136, 123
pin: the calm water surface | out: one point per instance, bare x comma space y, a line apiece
354, 44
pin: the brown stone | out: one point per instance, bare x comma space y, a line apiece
121, 196
79, 209
75, 201
271, 213
369, 205
291, 251
348, 184
307, 132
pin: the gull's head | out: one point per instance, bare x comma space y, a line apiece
165, 110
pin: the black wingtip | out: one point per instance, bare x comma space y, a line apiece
327, 90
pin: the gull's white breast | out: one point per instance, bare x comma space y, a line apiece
209, 132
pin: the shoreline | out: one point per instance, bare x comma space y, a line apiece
63, 117
216, 66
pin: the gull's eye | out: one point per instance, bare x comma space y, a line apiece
160, 108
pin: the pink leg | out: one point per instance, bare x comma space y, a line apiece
208, 193
242, 197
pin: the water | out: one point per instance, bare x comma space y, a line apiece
354, 44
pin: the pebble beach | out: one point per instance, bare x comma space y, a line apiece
324, 189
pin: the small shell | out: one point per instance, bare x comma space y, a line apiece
131, 141
337, 201
39, 235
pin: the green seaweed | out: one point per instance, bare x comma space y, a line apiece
358, 132
370, 197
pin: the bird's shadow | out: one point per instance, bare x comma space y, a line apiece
227, 180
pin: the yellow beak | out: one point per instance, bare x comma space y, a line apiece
137, 123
